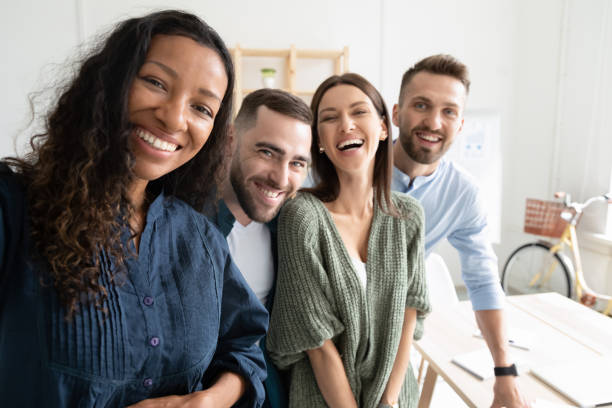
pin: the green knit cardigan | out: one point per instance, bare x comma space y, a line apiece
319, 297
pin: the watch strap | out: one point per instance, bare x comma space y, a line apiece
502, 371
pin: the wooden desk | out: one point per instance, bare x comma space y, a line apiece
564, 331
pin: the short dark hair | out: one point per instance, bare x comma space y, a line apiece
274, 99
440, 64
327, 186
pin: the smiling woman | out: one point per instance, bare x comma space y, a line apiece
350, 293
172, 104
114, 289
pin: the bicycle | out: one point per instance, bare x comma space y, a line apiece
542, 266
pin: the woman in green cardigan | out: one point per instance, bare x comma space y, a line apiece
351, 294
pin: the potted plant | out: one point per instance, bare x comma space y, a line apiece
268, 76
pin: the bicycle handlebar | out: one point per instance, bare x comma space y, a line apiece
565, 196
579, 207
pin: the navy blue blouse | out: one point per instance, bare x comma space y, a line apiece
181, 315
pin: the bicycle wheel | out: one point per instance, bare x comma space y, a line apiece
532, 268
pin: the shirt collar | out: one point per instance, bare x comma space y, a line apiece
156, 208
224, 219
404, 180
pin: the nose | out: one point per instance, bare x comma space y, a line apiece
172, 113
279, 175
346, 123
433, 120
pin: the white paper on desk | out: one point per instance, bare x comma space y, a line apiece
479, 363
585, 382
518, 338
542, 403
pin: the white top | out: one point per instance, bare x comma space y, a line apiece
360, 269
251, 249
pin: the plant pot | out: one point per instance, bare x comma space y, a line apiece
268, 77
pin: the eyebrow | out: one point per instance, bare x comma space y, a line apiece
173, 74
352, 105
425, 99
280, 151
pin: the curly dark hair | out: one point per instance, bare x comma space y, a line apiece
79, 170
327, 187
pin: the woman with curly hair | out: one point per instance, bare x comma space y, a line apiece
114, 288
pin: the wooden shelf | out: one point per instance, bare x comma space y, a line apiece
260, 52
246, 91
340, 60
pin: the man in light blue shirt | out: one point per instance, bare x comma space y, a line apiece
429, 115
454, 210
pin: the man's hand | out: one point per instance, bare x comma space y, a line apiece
507, 394
193, 400
505, 391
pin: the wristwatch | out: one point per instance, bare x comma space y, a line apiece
501, 371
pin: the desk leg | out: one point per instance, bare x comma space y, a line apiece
421, 367
428, 387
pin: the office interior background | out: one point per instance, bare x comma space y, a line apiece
541, 70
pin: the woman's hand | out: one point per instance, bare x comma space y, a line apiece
226, 391
402, 360
331, 377
193, 400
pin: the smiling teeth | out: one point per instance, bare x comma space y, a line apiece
155, 141
429, 138
350, 142
268, 193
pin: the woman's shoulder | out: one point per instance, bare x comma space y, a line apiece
299, 215
303, 205
210, 234
408, 207
11, 183
12, 196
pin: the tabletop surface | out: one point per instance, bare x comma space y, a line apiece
561, 329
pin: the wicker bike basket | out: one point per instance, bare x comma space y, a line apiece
544, 218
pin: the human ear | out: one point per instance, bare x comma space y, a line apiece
384, 133
231, 134
395, 116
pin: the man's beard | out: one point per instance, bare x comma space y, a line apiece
246, 200
418, 153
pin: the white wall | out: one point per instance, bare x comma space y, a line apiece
543, 66
586, 106
47, 34
34, 37
560, 136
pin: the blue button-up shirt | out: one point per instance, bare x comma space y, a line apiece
454, 210
178, 315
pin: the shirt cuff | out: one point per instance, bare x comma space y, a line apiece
487, 298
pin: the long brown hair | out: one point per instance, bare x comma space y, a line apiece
79, 169
327, 185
